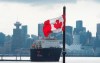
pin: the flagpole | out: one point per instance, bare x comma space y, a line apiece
64, 16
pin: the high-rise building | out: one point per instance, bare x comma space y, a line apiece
8, 38
83, 38
79, 27
97, 41
24, 30
69, 36
80, 31
2, 39
29, 43
69, 29
76, 39
16, 38
40, 30
24, 35
79, 24
98, 31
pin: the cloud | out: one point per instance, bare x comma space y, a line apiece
71, 1
98, 1
40, 1
43, 2
35, 1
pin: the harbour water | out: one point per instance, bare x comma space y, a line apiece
68, 60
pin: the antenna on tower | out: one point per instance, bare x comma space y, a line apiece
17, 18
17, 24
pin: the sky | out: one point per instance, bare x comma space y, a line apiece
33, 12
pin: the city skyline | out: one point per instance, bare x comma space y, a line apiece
32, 14
41, 25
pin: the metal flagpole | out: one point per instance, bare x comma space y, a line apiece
64, 16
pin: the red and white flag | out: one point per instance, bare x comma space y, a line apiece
54, 25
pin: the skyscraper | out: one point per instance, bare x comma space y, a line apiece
24, 35
69, 29
98, 31
76, 39
69, 36
97, 42
2, 39
24, 30
16, 38
40, 30
79, 27
79, 24
80, 32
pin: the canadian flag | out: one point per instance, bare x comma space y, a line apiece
54, 25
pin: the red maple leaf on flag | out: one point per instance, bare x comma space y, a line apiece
57, 24
47, 28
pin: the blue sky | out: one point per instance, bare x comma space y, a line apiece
32, 12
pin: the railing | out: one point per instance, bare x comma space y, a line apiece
14, 57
